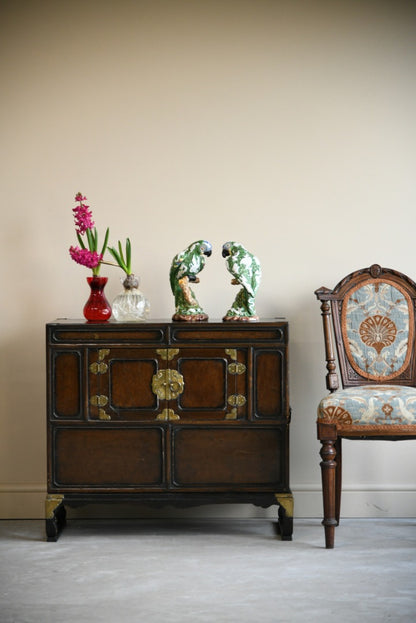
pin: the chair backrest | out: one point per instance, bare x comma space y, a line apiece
371, 314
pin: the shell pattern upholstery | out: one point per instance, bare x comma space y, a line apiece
377, 323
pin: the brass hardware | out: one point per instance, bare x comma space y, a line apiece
167, 354
103, 415
232, 352
167, 384
102, 353
286, 501
167, 415
236, 368
51, 504
98, 367
98, 401
232, 415
236, 400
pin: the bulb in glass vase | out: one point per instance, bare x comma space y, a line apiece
131, 305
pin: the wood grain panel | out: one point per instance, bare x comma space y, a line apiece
232, 457
108, 457
66, 391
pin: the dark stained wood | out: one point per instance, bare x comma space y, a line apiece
110, 457
168, 414
67, 385
270, 375
218, 457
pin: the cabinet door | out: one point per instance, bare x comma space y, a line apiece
65, 384
219, 457
214, 383
120, 384
147, 384
270, 384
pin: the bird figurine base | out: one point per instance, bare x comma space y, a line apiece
241, 319
189, 317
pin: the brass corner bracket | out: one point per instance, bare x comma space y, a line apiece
167, 415
52, 502
285, 500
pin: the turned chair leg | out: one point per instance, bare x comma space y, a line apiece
328, 470
338, 479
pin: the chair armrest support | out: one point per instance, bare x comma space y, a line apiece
332, 382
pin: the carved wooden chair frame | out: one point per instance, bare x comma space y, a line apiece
330, 433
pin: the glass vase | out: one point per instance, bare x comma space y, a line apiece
131, 305
97, 308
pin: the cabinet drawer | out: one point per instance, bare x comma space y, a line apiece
221, 457
109, 457
111, 334
248, 334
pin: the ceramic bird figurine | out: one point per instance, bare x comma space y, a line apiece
184, 270
246, 271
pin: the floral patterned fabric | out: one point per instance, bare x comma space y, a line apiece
369, 405
377, 327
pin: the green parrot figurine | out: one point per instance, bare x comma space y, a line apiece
246, 271
184, 270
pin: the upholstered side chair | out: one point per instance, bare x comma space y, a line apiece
371, 316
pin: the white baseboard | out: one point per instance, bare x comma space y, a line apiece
26, 501
363, 500
22, 501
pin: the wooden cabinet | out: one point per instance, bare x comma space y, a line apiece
168, 413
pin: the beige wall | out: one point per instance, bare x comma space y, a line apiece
288, 126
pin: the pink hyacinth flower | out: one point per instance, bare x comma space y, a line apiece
90, 259
83, 218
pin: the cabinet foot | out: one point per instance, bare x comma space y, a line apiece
55, 516
285, 512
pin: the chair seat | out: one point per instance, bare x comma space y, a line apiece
370, 407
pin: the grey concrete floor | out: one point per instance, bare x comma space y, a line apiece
161, 571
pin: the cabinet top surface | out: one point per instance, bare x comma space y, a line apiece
112, 324
167, 332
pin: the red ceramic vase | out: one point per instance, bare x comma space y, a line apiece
97, 308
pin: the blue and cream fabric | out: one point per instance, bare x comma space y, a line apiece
377, 328
369, 405
377, 325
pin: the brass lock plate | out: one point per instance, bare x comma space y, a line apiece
167, 384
